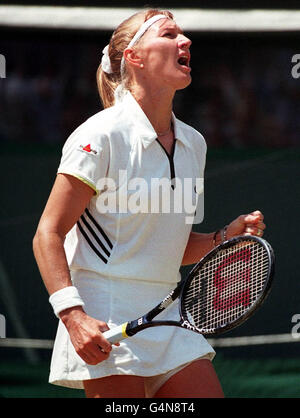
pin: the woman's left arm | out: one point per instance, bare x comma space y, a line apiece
200, 244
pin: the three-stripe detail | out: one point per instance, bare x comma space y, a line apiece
94, 235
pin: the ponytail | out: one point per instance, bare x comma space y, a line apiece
106, 87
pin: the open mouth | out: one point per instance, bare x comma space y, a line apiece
184, 61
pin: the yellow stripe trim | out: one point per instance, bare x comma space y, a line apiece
124, 330
84, 180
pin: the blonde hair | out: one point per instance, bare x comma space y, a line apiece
107, 83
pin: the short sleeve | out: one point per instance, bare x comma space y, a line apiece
85, 155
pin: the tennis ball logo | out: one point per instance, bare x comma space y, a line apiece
2, 326
2, 66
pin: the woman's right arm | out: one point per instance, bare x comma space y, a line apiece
67, 201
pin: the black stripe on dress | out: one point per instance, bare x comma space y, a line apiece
90, 243
96, 237
99, 228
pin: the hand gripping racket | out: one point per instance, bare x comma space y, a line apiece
221, 292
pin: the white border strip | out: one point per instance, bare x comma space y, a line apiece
254, 340
26, 343
215, 342
105, 18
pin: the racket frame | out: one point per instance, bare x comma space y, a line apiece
253, 308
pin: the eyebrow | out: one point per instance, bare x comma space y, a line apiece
167, 27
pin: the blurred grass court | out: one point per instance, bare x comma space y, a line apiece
240, 378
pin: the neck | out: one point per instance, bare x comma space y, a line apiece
157, 106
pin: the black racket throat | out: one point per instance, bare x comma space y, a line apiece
147, 321
133, 327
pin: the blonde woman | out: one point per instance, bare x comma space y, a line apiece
102, 267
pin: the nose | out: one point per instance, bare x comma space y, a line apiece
184, 42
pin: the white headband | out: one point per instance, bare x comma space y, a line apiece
105, 62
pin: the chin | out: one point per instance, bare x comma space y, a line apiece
184, 83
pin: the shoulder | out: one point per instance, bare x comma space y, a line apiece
97, 125
194, 137
96, 130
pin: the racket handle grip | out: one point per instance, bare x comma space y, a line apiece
116, 334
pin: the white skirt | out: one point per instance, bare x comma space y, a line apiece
150, 352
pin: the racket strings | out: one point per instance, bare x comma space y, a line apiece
226, 286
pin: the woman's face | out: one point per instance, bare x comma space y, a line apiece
165, 54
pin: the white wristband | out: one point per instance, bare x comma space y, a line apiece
65, 298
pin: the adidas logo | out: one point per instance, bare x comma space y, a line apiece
88, 148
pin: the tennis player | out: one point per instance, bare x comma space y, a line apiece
104, 267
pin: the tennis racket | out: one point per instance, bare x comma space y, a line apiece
221, 292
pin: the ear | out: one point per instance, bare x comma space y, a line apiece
132, 57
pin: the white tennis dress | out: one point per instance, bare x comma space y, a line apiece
126, 249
